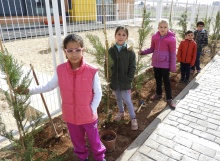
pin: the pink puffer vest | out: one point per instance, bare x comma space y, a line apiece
76, 93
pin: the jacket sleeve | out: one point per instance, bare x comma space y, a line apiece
172, 52
149, 50
194, 55
205, 40
179, 53
132, 67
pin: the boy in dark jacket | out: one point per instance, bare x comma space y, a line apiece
201, 38
186, 55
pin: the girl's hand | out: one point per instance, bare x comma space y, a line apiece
139, 52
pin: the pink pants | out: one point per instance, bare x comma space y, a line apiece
77, 135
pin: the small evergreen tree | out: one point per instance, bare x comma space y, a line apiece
19, 104
143, 32
100, 52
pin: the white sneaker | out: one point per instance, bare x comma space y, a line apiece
134, 124
119, 116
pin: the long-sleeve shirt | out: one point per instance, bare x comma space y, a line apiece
53, 83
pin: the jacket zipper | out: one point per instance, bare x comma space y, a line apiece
187, 51
158, 51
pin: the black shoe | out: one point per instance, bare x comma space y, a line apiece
186, 81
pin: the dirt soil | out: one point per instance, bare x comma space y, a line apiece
125, 136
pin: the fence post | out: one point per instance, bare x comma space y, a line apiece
128, 13
117, 10
58, 31
64, 18
52, 45
158, 13
192, 15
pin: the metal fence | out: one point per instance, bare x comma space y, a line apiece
32, 31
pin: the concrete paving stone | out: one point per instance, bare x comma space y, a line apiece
169, 152
214, 100
205, 91
198, 103
204, 135
139, 157
213, 97
153, 136
216, 112
164, 134
208, 102
217, 156
177, 114
203, 150
202, 117
171, 117
170, 122
214, 94
157, 155
207, 124
186, 158
183, 141
170, 159
190, 118
182, 111
144, 149
151, 143
206, 158
183, 121
196, 110
168, 128
208, 143
187, 151
213, 108
197, 126
183, 106
217, 140
166, 142
190, 97
185, 128
211, 115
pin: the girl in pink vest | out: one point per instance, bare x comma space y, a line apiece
163, 47
81, 94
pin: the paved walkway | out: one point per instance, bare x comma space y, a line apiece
192, 131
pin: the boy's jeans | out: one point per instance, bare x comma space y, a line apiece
197, 63
185, 70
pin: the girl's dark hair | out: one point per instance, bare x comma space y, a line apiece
121, 28
73, 38
200, 23
188, 32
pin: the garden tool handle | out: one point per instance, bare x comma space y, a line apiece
140, 107
44, 102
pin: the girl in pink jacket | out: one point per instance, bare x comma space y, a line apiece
81, 94
163, 47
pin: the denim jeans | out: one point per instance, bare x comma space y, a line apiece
185, 70
197, 63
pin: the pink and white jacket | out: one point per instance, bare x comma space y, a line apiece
77, 93
164, 51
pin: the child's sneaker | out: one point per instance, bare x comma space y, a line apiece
119, 116
171, 104
156, 97
198, 71
192, 71
134, 124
